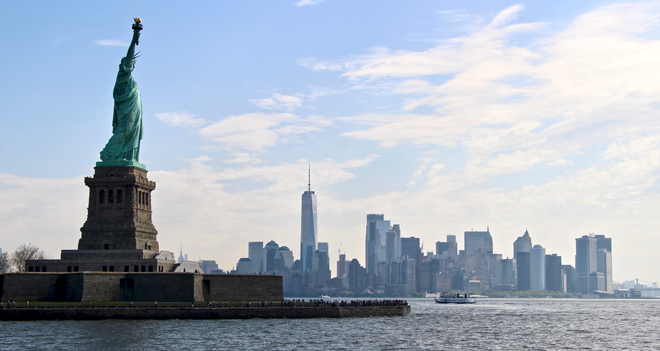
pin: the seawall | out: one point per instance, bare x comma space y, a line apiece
95, 313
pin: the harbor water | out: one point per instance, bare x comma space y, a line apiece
490, 324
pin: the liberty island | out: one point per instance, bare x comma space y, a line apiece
118, 259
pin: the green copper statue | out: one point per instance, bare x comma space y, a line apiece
123, 148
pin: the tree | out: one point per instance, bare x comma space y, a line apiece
5, 264
23, 253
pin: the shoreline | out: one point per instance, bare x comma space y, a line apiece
99, 313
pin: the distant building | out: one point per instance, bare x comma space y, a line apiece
586, 262
393, 244
523, 263
208, 266
448, 249
475, 240
269, 256
375, 241
308, 228
604, 263
603, 243
403, 276
554, 275
283, 259
244, 266
537, 268
256, 255
522, 244
342, 266
410, 247
181, 257
321, 268
571, 278
509, 272
321, 260
356, 276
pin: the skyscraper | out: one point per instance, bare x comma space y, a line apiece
269, 256
308, 228
410, 247
376, 238
604, 259
342, 266
522, 244
523, 270
509, 273
447, 249
356, 276
537, 268
283, 260
478, 240
554, 276
256, 255
393, 244
244, 266
586, 262
604, 263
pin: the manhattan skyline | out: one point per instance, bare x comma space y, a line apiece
446, 117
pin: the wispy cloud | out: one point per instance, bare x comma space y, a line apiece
512, 107
280, 102
180, 119
256, 131
320, 91
111, 42
308, 2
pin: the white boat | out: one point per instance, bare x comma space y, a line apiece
325, 297
433, 295
455, 298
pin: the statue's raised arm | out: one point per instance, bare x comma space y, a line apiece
123, 148
137, 27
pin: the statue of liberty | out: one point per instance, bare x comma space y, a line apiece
123, 148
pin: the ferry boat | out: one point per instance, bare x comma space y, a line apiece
325, 297
455, 298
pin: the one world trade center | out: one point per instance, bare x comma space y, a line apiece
308, 229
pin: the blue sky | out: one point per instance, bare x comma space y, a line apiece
443, 115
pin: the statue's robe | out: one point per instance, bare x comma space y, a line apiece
126, 119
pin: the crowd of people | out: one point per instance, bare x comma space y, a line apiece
374, 303
290, 303
344, 303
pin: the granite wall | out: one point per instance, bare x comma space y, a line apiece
109, 286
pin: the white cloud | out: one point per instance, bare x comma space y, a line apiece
320, 91
280, 102
308, 2
512, 107
256, 131
110, 42
180, 119
243, 157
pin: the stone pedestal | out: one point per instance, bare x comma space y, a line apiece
119, 211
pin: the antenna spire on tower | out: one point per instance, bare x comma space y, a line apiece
309, 177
